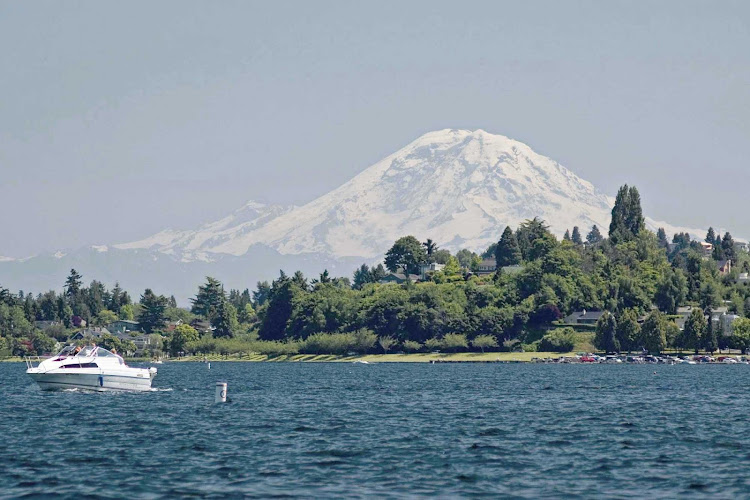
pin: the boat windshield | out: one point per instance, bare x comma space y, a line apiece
103, 353
68, 350
87, 351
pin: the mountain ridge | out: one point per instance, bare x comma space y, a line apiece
458, 187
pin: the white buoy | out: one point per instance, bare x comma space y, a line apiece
221, 392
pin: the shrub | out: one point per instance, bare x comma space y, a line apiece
328, 343
559, 340
484, 342
532, 347
386, 343
412, 346
512, 345
273, 348
204, 345
454, 342
364, 340
433, 344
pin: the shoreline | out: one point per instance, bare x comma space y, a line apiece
461, 357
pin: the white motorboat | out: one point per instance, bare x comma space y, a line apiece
91, 368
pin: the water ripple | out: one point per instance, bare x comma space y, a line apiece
331, 430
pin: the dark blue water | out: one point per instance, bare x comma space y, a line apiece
344, 430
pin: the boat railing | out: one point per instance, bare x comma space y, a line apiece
30, 360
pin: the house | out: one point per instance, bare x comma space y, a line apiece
721, 318
683, 313
90, 333
171, 325
725, 322
707, 248
141, 340
743, 279
425, 270
487, 266
725, 266
123, 325
583, 317
399, 278
201, 325
717, 314
741, 246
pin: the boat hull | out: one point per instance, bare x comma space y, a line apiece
51, 381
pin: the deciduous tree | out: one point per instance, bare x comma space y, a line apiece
406, 254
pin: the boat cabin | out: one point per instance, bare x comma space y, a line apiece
89, 351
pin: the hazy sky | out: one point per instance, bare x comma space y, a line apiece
118, 119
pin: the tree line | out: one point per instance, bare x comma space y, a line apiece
636, 276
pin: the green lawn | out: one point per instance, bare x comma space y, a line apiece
387, 358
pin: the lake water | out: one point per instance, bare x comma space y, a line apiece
346, 430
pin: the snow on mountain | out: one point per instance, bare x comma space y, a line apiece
458, 187
190, 245
6, 259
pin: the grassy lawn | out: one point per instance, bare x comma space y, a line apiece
387, 358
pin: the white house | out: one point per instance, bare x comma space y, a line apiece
425, 270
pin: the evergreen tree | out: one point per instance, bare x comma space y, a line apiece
606, 333
595, 236
73, 284
153, 309
226, 320
634, 215
210, 296
362, 276
576, 236
299, 279
566, 236
627, 215
378, 273
661, 236
727, 245
406, 254
711, 236
279, 311
114, 298
507, 252
694, 330
261, 293
718, 252
528, 233
430, 248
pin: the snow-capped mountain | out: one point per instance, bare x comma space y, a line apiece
190, 245
457, 187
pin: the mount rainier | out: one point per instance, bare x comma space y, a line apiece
458, 187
